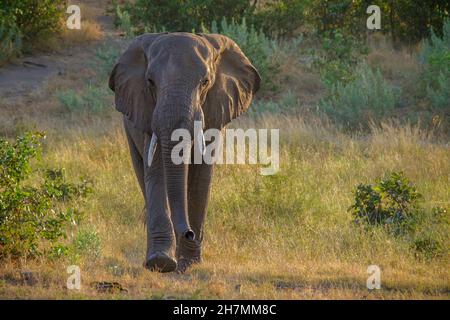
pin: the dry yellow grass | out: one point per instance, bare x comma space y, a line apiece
283, 237
90, 31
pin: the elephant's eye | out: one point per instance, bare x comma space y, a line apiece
205, 82
151, 83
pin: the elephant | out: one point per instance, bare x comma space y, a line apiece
166, 81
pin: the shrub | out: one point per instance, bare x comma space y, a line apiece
435, 56
123, 21
88, 242
390, 202
282, 18
439, 94
366, 98
287, 104
106, 57
393, 204
33, 219
91, 99
257, 47
70, 100
10, 38
183, 15
338, 58
35, 18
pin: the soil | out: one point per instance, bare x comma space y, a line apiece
27, 75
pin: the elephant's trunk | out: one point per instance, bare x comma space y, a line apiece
176, 184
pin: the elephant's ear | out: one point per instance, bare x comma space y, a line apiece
236, 82
133, 96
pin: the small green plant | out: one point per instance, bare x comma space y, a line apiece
106, 57
70, 100
390, 202
287, 104
87, 242
92, 99
33, 218
368, 97
393, 203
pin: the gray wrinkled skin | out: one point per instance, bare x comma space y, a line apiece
163, 82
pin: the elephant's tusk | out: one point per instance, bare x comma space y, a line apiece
152, 149
201, 142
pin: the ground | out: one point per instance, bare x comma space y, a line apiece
287, 236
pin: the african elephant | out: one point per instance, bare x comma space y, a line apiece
166, 81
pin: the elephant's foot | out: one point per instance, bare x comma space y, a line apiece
188, 253
183, 264
161, 262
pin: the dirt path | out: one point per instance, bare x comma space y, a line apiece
30, 73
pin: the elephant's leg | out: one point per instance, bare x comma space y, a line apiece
160, 235
199, 183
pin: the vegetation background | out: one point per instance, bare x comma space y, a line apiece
364, 120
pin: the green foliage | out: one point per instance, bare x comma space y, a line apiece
35, 19
368, 97
70, 100
435, 56
257, 47
439, 95
10, 37
404, 20
123, 21
390, 202
88, 243
106, 57
338, 58
91, 99
182, 15
33, 219
95, 96
287, 104
393, 204
282, 18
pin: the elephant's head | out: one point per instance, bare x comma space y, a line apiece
166, 81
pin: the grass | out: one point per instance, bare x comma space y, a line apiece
286, 236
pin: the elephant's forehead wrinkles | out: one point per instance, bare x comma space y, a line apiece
181, 44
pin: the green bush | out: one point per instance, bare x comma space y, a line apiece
106, 58
287, 104
123, 21
282, 18
368, 97
92, 99
338, 58
33, 218
87, 242
183, 15
435, 56
10, 37
35, 19
257, 47
393, 203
